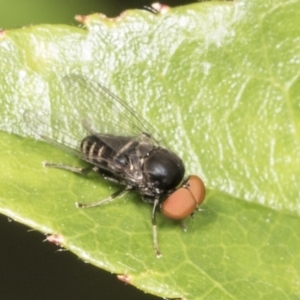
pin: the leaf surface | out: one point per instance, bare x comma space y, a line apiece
220, 82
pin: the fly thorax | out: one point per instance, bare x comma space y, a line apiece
143, 149
134, 169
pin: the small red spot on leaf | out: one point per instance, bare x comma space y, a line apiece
56, 239
160, 8
124, 277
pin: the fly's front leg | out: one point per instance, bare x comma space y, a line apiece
183, 226
82, 171
154, 229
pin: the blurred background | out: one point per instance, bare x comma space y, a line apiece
17, 13
29, 268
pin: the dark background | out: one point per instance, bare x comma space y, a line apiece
30, 268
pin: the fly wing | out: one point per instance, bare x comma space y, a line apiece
104, 112
95, 111
42, 126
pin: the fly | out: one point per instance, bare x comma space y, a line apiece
124, 151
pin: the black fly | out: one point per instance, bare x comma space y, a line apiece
122, 150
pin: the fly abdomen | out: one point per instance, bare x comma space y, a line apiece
108, 151
95, 150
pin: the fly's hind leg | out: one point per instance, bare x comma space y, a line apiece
82, 171
154, 229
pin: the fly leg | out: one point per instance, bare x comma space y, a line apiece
183, 226
103, 201
82, 171
108, 176
85, 171
154, 230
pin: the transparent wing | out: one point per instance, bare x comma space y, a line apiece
42, 126
103, 111
95, 110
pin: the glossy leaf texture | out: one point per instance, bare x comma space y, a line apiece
220, 82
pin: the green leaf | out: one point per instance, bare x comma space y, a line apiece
220, 81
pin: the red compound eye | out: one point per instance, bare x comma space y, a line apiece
184, 200
197, 188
